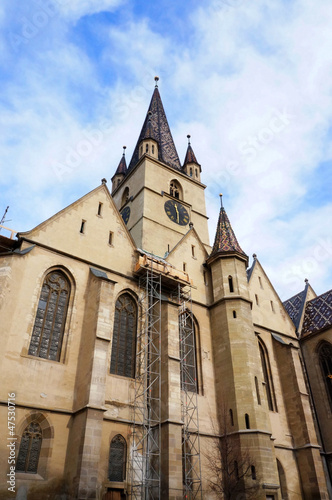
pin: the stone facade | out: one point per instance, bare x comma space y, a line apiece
256, 371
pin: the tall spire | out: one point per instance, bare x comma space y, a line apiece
225, 241
156, 124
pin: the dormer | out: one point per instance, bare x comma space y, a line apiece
190, 165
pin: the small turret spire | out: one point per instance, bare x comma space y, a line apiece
225, 240
121, 171
190, 164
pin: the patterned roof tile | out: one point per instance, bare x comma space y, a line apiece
225, 240
318, 314
161, 133
294, 307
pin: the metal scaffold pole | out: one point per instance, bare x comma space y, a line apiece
192, 487
146, 434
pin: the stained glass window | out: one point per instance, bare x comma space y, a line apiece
47, 334
28, 455
117, 459
325, 358
124, 337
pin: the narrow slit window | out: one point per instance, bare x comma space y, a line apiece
205, 278
231, 417
147, 148
184, 266
191, 172
256, 298
196, 172
272, 305
193, 250
152, 147
260, 281
110, 238
82, 227
253, 472
246, 417
168, 248
234, 314
230, 284
100, 206
257, 391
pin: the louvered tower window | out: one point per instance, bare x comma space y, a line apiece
124, 337
28, 455
117, 459
48, 330
189, 377
325, 359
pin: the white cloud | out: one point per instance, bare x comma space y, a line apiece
75, 9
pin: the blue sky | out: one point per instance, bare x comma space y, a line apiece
250, 81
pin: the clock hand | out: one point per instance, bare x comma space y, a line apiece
177, 212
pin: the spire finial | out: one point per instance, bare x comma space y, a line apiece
254, 256
188, 137
124, 150
306, 280
221, 199
156, 79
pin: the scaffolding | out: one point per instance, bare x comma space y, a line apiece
145, 461
146, 434
192, 483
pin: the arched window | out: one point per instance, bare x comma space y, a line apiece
146, 148
282, 481
325, 360
124, 337
48, 330
268, 382
28, 455
125, 196
175, 189
117, 459
152, 149
189, 378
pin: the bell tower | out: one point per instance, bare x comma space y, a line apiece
162, 196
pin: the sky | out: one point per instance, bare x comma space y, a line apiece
251, 82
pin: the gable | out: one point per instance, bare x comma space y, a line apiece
191, 254
91, 229
270, 312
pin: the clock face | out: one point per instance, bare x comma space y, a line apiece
176, 212
125, 214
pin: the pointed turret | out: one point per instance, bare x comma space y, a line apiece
120, 172
190, 165
156, 132
225, 242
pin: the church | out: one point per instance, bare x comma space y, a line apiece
139, 362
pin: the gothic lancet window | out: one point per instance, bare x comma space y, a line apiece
28, 455
189, 378
268, 382
117, 459
325, 359
124, 337
48, 330
175, 190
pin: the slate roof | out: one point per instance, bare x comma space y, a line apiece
294, 306
318, 314
161, 133
190, 156
122, 167
225, 240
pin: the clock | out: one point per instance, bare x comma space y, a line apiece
176, 212
125, 214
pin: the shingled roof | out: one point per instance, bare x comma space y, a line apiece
156, 118
318, 314
122, 167
190, 156
225, 240
294, 306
